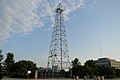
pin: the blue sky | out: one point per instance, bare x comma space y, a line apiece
89, 24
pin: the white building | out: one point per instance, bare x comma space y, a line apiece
107, 62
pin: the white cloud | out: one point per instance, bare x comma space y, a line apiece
22, 16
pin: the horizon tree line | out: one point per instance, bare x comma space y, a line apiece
19, 69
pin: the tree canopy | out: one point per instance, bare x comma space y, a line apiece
21, 68
1, 58
9, 61
76, 62
91, 69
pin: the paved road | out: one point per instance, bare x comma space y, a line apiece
35, 79
50, 79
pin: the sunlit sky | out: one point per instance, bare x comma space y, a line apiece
93, 31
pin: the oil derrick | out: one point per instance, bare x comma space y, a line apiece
58, 59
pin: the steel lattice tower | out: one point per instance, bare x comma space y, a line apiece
58, 58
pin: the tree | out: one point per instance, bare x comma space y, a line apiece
9, 61
20, 68
117, 72
108, 72
1, 68
76, 67
1, 58
90, 63
76, 62
94, 68
87, 70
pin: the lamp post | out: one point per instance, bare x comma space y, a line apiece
29, 72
